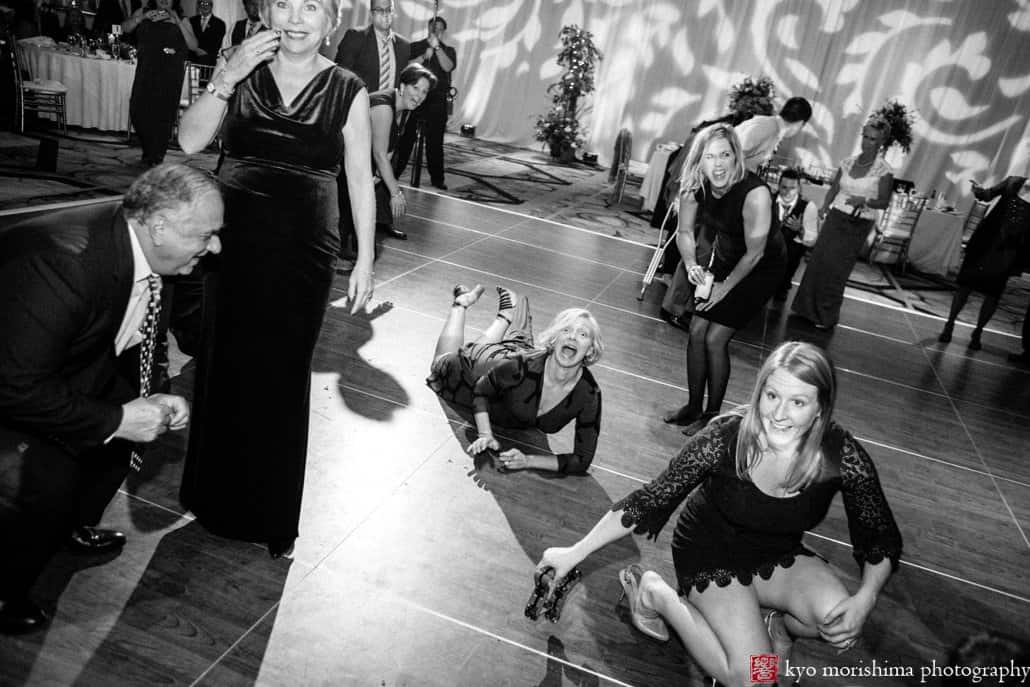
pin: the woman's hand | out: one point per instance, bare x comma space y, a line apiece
562, 558
857, 202
261, 47
155, 15
362, 282
842, 626
397, 205
718, 292
513, 459
695, 274
483, 443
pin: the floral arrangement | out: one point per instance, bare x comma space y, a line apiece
901, 119
753, 97
560, 128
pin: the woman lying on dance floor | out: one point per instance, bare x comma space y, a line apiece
508, 380
764, 473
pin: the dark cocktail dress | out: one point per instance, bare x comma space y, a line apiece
264, 305
722, 220
1000, 246
731, 530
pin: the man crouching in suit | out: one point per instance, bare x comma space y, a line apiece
377, 55
74, 293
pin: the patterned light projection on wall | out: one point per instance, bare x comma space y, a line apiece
963, 65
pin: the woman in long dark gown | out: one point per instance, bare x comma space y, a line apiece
997, 250
290, 116
163, 37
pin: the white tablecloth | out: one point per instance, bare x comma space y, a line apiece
98, 90
936, 245
651, 187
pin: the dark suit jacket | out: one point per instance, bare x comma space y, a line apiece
239, 31
210, 41
359, 52
65, 282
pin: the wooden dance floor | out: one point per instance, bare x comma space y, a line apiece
414, 562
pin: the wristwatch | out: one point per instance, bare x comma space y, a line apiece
223, 93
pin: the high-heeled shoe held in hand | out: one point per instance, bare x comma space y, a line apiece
646, 620
542, 598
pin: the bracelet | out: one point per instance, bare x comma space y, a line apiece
399, 194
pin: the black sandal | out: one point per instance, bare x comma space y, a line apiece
553, 606
541, 586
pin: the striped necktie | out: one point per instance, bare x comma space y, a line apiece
146, 352
385, 76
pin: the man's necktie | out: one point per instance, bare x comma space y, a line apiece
384, 66
146, 352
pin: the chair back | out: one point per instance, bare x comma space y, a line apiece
621, 154
195, 81
11, 60
894, 231
976, 215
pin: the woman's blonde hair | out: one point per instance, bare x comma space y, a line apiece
332, 8
811, 365
880, 123
693, 176
566, 318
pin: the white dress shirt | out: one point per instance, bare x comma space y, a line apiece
809, 220
128, 333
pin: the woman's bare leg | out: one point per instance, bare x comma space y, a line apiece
805, 592
720, 627
506, 301
452, 338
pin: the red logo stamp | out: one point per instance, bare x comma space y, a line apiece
764, 667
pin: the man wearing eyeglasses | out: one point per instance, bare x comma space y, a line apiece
377, 55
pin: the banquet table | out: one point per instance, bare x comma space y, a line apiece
936, 244
98, 90
651, 186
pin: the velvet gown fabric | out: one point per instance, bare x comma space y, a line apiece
264, 305
154, 103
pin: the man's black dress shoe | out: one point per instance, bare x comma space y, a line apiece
392, 232
18, 616
442, 186
95, 540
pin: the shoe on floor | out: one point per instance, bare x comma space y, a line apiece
392, 232
20, 616
95, 540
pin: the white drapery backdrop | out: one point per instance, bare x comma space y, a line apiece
963, 65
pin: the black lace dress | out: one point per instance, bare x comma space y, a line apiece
729, 529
